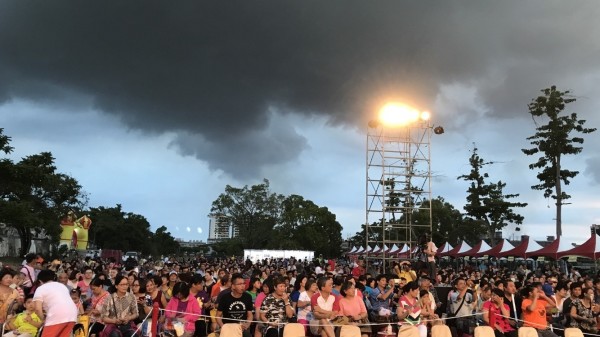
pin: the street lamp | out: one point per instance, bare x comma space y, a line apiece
398, 177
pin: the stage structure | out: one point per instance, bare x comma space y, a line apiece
398, 182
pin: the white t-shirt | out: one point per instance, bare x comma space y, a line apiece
57, 303
306, 312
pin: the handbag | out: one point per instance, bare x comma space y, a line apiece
125, 330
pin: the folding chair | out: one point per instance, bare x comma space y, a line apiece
441, 330
294, 330
350, 331
10, 311
408, 331
231, 330
573, 332
484, 331
527, 331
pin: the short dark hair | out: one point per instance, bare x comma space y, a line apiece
321, 281
46, 275
380, 276
576, 285
181, 288
236, 276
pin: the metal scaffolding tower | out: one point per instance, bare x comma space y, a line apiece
398, 188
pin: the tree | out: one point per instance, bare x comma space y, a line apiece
447, 223
552, 141
304, 225
254, 211
33, 196
115, 229
487, 205
163, 242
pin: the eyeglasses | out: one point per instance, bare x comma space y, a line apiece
123, 284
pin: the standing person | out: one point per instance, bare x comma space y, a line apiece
120, 310
236, 306
429, 250
28, 271
534, 311
54, 299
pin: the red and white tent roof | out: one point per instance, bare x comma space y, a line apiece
460, 248
590, 248
477, 249
501, 247
445, 248
523, 250
552, 250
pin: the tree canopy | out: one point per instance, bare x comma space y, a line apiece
487, 206
33, 195
551, 142
269, 220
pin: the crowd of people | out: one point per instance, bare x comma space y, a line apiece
198, 296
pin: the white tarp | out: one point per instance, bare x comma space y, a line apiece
260, 254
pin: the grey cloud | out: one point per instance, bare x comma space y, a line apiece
593, 169
212, 71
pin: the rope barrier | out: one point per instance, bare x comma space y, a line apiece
141, 324
423, 321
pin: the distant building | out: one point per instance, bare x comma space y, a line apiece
220, 228
190, 244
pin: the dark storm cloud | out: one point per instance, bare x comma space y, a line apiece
214, 70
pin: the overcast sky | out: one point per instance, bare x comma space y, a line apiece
157, 106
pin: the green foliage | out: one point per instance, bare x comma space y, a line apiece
269, 220
487, 206
112, 228
33, 196
447, 223
553, 140
253, 210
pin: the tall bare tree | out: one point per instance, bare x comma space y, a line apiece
551, 142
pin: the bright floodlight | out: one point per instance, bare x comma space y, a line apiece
397, 115
425, 115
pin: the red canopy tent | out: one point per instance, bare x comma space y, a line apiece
590, 248
501, 247
481, 246
460, 248
552, 250
444, 249
523, 250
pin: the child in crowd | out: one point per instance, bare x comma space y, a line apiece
25, 324
76, 297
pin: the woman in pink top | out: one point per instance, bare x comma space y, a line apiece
266, 289
353, 307
183, 308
